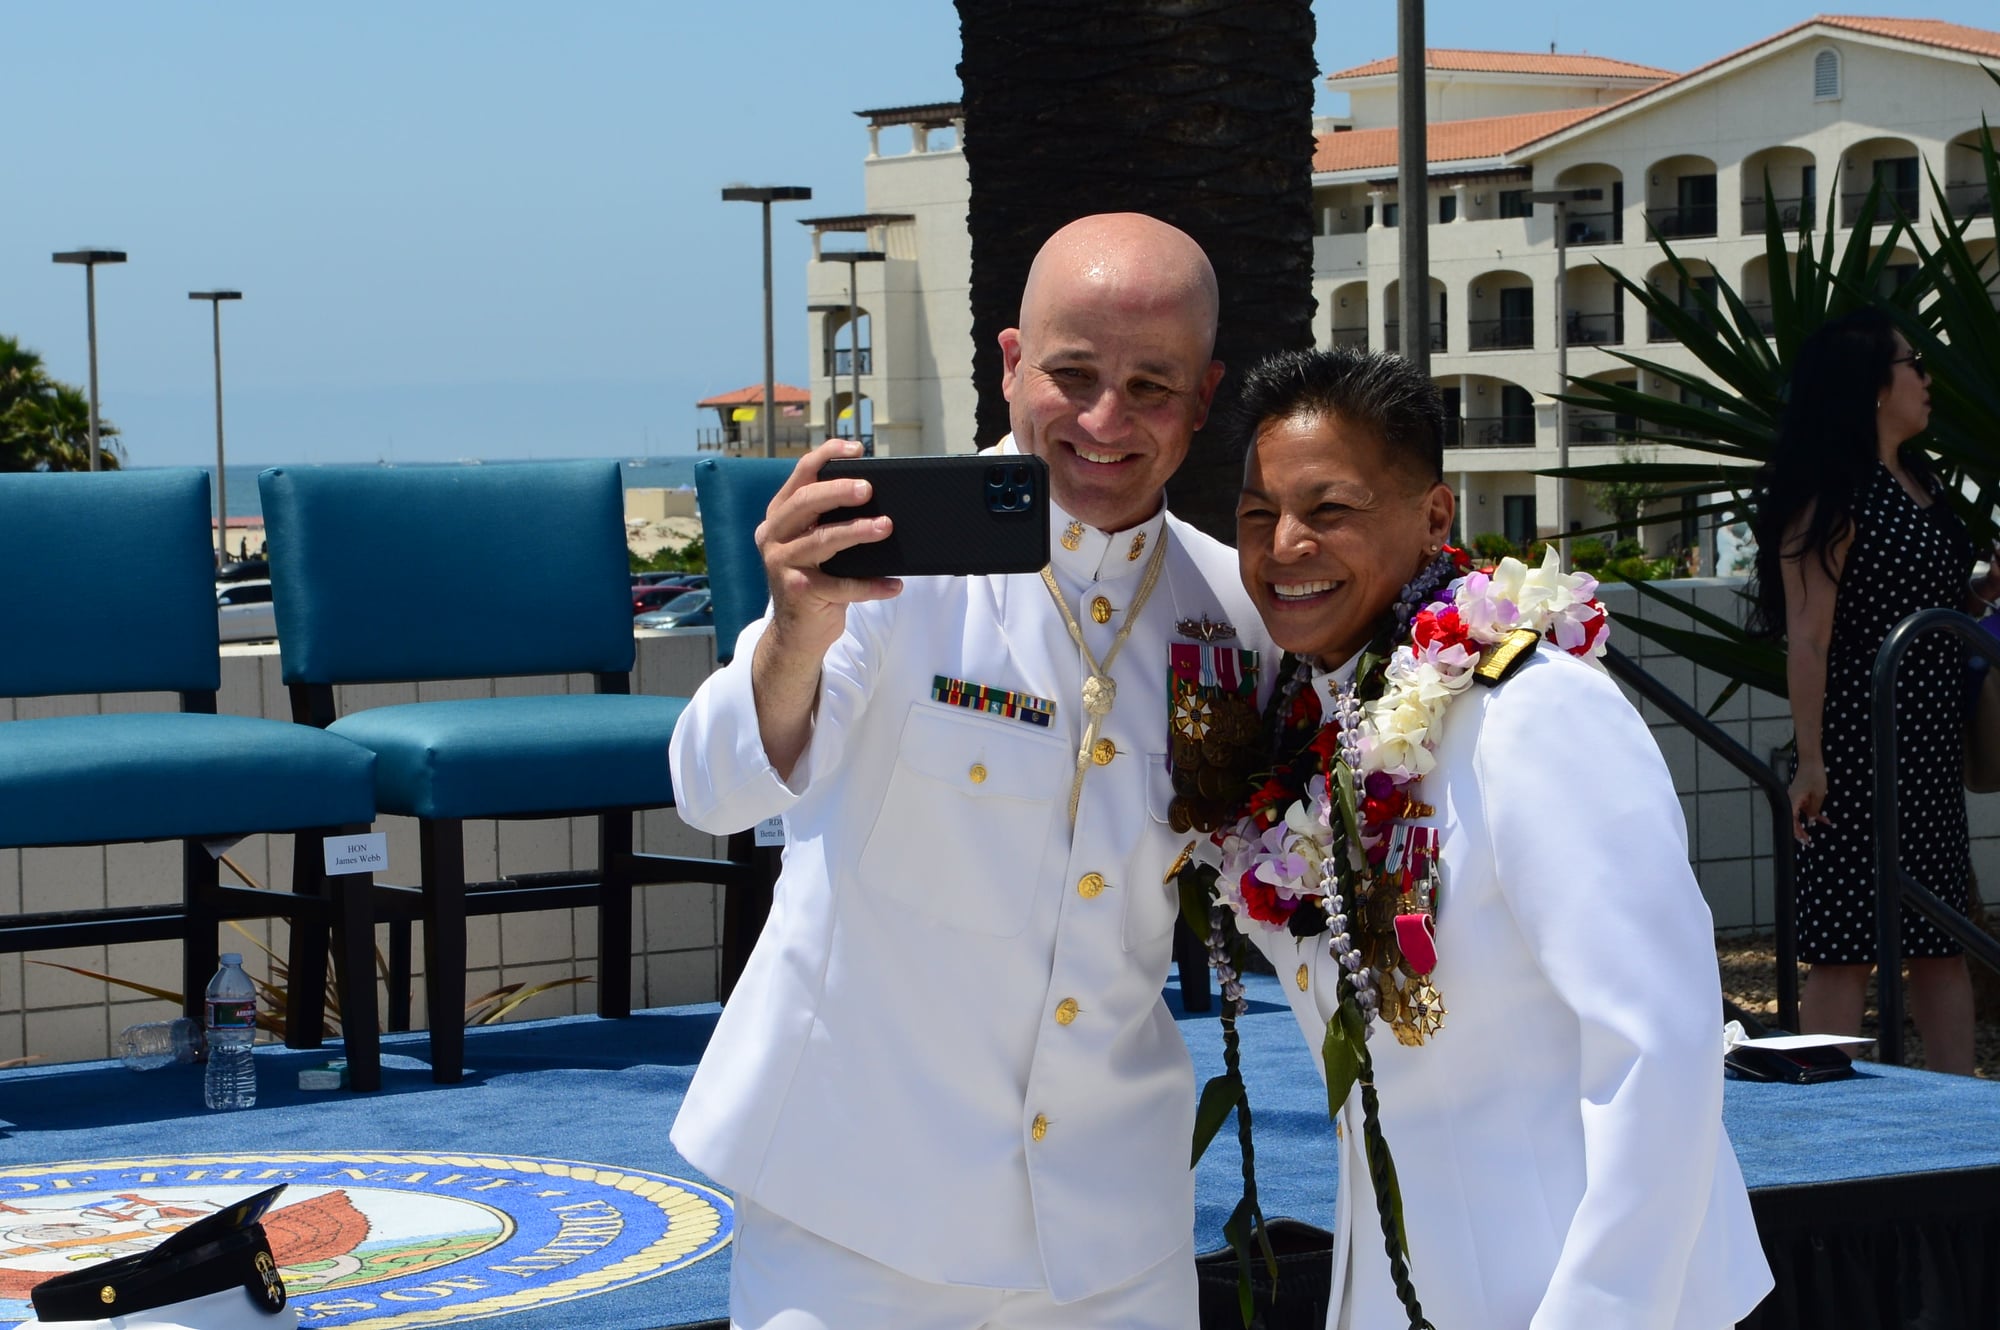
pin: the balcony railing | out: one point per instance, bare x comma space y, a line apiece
1893, 202
1595, 228
1969, 199
1497, 432
748, 437
1792, 213
1392, 337
1600, 427
1512, 331
1355, 335
1353, 224
840, 361
1593, 329
1682, 223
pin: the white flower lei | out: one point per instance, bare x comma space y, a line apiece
1393, 747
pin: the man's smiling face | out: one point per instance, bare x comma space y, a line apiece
1109, 376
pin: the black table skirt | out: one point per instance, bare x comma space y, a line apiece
1915, 1251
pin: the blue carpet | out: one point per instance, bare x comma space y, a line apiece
603, 1093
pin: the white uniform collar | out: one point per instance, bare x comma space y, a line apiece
1082, 553
1327, 682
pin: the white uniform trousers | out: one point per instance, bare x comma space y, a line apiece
783, 1278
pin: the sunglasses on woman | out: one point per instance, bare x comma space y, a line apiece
1915, 360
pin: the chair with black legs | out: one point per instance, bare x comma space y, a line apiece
185, 774
416, 574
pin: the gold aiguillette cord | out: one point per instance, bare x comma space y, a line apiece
1100, 690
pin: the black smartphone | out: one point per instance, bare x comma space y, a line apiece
952, 516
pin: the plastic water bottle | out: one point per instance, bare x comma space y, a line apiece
159, 1044
231, 1081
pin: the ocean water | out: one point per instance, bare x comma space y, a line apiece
670, 472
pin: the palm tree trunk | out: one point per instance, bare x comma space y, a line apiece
1198, 112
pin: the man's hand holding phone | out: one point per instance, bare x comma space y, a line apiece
808, 606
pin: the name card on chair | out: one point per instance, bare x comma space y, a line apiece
771, 831
357, 854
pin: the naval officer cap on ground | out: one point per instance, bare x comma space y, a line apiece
946, 1091
216, 1274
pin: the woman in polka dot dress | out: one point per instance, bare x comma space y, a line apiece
1853, 537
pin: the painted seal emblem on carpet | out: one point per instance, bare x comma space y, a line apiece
374, 1241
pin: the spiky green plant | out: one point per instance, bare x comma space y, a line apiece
1728, 409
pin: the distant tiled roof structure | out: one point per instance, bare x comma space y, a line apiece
1925, 31
928, 113
1920, 31
754, 396
1514, 62
1446, 140
1497, 136
1930, 31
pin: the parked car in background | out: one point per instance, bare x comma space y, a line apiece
243, 570
243, 611
656, 596
691, 609
672, 575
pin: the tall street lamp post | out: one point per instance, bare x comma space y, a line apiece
850, 258
90, 258
1562, 198
1413, 184
215, 299
767, 195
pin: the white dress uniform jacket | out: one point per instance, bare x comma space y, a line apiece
1560, 1141
948, 1051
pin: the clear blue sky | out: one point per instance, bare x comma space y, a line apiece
489, 228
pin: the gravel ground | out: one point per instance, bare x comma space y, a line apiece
1749, 979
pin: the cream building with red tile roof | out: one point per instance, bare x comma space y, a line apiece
1834, 99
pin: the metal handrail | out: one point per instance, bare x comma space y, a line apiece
1888, 833
1783, 871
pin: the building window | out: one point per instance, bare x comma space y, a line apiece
1389, 211
1518, 517
1514, 203
1894, 278
1517, 417
1826, 76
1448, 207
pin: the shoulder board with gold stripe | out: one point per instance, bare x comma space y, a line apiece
1505, 656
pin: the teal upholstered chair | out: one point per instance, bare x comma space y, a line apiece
188, 775
733, 494
426, 573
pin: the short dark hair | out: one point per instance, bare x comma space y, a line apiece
1384, 394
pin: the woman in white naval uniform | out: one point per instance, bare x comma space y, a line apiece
1559, 1141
